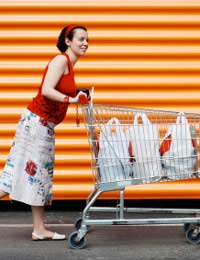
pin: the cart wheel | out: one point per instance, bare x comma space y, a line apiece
186, 227
78, 223
193, 235
74, 243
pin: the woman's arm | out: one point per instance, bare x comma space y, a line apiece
56, 68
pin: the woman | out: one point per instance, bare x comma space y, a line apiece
28, 173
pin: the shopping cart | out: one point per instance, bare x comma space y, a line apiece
132, 146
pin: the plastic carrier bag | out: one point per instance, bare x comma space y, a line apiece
113, 156
145, 148
179, 150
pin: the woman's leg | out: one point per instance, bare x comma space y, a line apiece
39, 230
38, 214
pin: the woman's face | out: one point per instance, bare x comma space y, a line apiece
79, 43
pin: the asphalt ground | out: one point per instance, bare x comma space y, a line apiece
152, 242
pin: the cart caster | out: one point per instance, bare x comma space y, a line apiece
74, 243
193, 234
78, 224
186, 227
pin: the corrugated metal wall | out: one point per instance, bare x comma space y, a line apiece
141, 54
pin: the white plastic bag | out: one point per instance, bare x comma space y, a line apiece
145, 149
113, 157
179, 159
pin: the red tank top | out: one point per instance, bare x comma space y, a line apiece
51, 110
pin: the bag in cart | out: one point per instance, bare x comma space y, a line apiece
144, 140
179, 150
113, 156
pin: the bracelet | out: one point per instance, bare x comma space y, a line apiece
66, 99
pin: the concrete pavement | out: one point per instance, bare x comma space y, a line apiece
103, 242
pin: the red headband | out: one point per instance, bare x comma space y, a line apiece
69, 29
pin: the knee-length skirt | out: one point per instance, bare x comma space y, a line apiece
28, 172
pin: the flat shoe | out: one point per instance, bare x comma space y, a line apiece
39, 237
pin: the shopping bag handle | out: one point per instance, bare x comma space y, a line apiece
144, 117
181, 119
113, 122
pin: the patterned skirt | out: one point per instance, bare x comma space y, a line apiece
28, 172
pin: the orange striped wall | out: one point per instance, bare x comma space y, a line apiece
141, 54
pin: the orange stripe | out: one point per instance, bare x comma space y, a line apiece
142, 54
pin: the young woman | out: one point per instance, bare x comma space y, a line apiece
28, 172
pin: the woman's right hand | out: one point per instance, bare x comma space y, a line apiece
75, 100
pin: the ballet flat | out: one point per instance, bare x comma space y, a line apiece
39, 237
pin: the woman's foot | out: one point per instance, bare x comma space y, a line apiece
3, 194
47, 235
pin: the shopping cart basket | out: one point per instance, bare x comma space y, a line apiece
132, 146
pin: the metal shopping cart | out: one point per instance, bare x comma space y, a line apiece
138, 146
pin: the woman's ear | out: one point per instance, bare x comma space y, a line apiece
67, 42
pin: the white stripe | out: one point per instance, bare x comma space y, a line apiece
71, 225
30, 225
